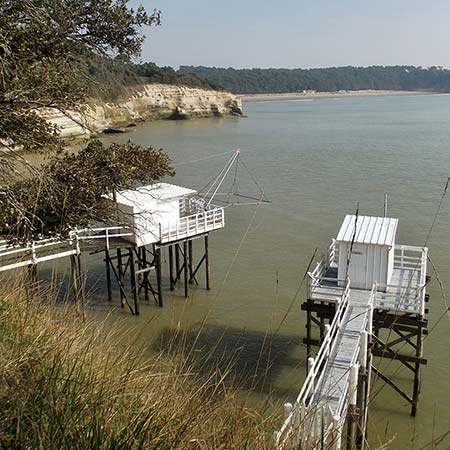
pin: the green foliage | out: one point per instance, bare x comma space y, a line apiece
44, 44
51, 54
69, 191
152, 73
257, 81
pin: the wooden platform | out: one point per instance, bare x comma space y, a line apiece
401, 295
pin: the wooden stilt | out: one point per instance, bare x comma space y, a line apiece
120, 277
208, 285
74, 271
322, 327
108, 274
177, 261
308, 332
351, 428
33, 282
144, 266
352, 419
159, 276
416, 387
190, 260
134, 282
81, 283
186, 289
172, 282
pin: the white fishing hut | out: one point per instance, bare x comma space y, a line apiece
164, 212
372, 252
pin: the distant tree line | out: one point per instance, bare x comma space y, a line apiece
258, 81
152, 73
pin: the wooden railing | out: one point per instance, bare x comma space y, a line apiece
302, 412
14, 255
203, 222
414, 259
108, 234
316, 276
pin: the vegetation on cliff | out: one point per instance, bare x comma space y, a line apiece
259, 81
112, 77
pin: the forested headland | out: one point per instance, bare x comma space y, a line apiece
332, 79
111, 76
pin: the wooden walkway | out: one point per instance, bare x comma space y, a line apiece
332, 390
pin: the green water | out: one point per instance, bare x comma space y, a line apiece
317, 160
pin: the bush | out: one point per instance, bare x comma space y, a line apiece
69, 383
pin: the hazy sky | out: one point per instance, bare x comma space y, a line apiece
298, 33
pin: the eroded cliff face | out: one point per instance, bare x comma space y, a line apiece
147, 102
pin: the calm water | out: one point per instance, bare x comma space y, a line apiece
317, 160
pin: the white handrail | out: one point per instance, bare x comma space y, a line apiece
316, 370
208, 220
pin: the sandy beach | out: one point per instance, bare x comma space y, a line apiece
337, 94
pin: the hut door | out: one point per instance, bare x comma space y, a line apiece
357, 270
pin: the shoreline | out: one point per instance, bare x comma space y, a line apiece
337, 94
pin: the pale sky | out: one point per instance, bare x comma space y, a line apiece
299, 33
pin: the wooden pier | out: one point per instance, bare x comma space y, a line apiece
160, 217
352, 326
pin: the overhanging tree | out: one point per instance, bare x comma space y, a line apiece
44, 49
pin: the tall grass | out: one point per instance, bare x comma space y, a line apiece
68, 383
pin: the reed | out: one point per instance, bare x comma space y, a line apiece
71, 383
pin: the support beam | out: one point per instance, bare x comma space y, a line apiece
80, 282
308, 331
119, 277
144, 266
171, 277
416, 387
192, 277
74, 271
108, 274
134, 282
208, 285
177, 261
159, 276
190, 260
392, 385
185, 255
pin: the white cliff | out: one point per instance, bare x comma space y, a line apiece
147, 102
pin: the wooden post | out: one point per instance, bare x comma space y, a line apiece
362, 389
322, 328
190, 260
308, 332
108, 274
186, 291
120, 276
177, 261
159, 277
172, 283
134, 283
74, 270
80, 283
208, 285
352, 407
146, 275
416, 387
33, 282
